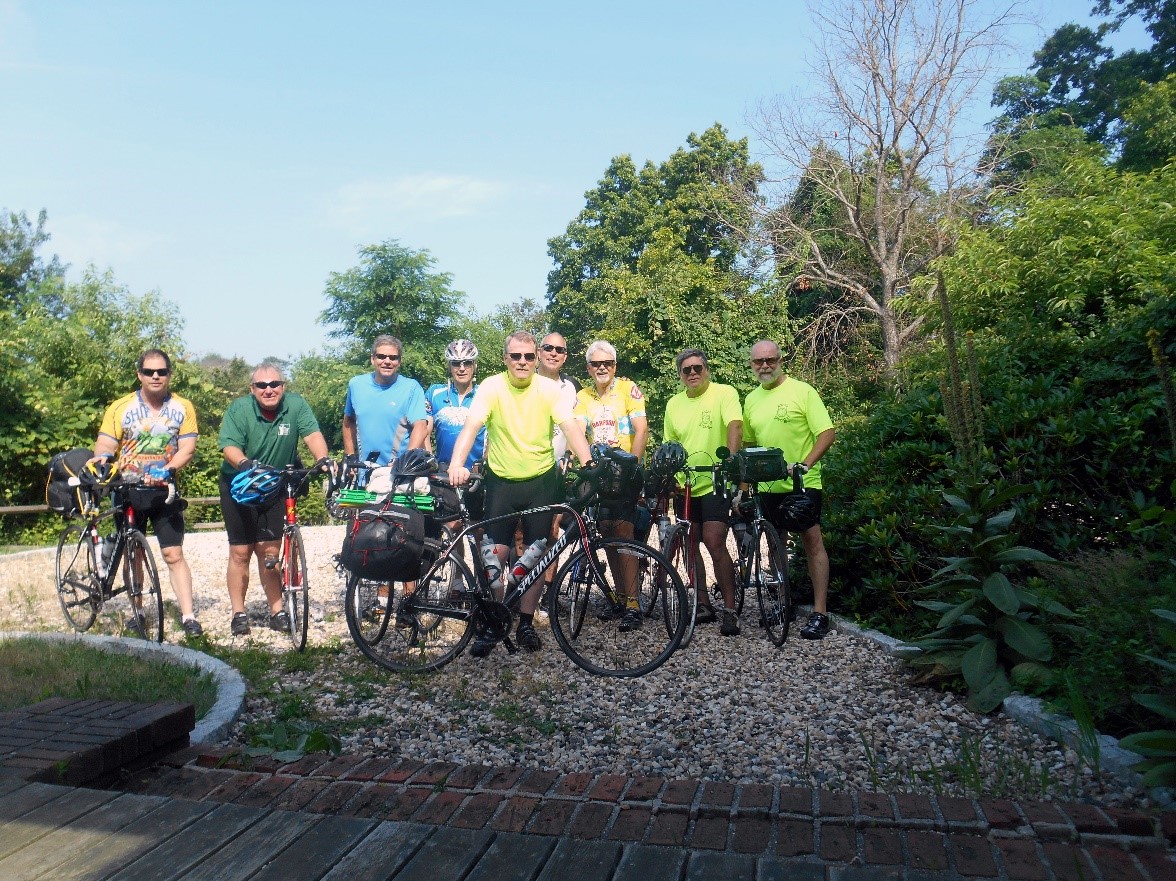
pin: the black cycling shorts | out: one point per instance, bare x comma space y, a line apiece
167, 522
770, 505
246, 525
505, 497
704, 509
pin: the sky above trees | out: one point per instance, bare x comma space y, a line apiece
234, 156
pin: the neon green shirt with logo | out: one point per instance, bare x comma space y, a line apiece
519, 423
700, 425
789, 416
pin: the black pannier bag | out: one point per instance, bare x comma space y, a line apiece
59, 495
385, 543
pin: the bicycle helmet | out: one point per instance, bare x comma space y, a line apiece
798, 511
669, 459
257, 487
414, 463
99, 473
461, 350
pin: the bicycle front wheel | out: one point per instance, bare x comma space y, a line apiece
296, 588
78, 586
413, 632
142, 584
769, 570
592, 629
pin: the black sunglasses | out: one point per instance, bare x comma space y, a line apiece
765, 362
380, 357
691, 369
521, 356
462, 363
559, 350
277, 383
595, 364
155, 371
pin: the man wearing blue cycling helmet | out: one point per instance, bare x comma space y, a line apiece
263, 428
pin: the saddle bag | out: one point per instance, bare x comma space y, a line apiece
385, 543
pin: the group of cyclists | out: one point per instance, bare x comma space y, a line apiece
517, 424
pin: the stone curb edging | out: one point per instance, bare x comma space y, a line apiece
1031, 713
230, 686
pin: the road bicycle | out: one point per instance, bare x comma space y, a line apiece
291, 559
453, 601
762, 562
92, 573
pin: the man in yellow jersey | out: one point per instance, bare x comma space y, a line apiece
613, 413
703, 417
786, 413
519, 410
153, 434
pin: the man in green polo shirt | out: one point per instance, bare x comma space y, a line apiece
262, 427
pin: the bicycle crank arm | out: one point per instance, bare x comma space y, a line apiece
510, 647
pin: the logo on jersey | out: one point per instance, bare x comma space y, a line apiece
283, 429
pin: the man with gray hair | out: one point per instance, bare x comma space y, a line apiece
384, 413
263, 428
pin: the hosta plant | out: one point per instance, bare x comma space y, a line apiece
990, 630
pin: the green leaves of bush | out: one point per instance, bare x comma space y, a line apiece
989, 631
1158, 747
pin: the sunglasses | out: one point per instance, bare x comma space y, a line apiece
380, 357
155, 371
691, 369
595, 364
521, 356
559, 350
462, 363
277, 383
765, 362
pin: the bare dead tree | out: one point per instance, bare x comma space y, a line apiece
879, 146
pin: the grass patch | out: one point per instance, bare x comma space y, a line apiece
36, 670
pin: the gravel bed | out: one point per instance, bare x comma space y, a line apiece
835, 713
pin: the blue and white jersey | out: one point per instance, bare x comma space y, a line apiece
449, 410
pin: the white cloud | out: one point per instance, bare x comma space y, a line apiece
380, 203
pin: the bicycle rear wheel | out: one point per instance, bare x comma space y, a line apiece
417, 632
769, 570
588, 630
78, 586
677, 551
141, 579
296, 588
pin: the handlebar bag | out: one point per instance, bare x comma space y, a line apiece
760, 464
66, 500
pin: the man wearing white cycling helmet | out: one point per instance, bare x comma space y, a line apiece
448, 403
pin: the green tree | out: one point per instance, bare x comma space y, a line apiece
654, 263
395, 290
22, 268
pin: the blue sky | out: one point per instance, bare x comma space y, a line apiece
231, 155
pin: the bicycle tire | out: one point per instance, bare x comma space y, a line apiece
296, 588
678, 553
78, 585
596, 642
770, 570
141, 578
419, 632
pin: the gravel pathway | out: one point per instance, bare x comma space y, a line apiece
836, 713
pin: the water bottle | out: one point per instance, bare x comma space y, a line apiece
527, 561
104, 552
490, 562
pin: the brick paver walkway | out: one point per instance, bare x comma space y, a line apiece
751, 830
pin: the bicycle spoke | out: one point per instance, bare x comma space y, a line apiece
78, 588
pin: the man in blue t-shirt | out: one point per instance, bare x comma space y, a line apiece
385, 412
448, 403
